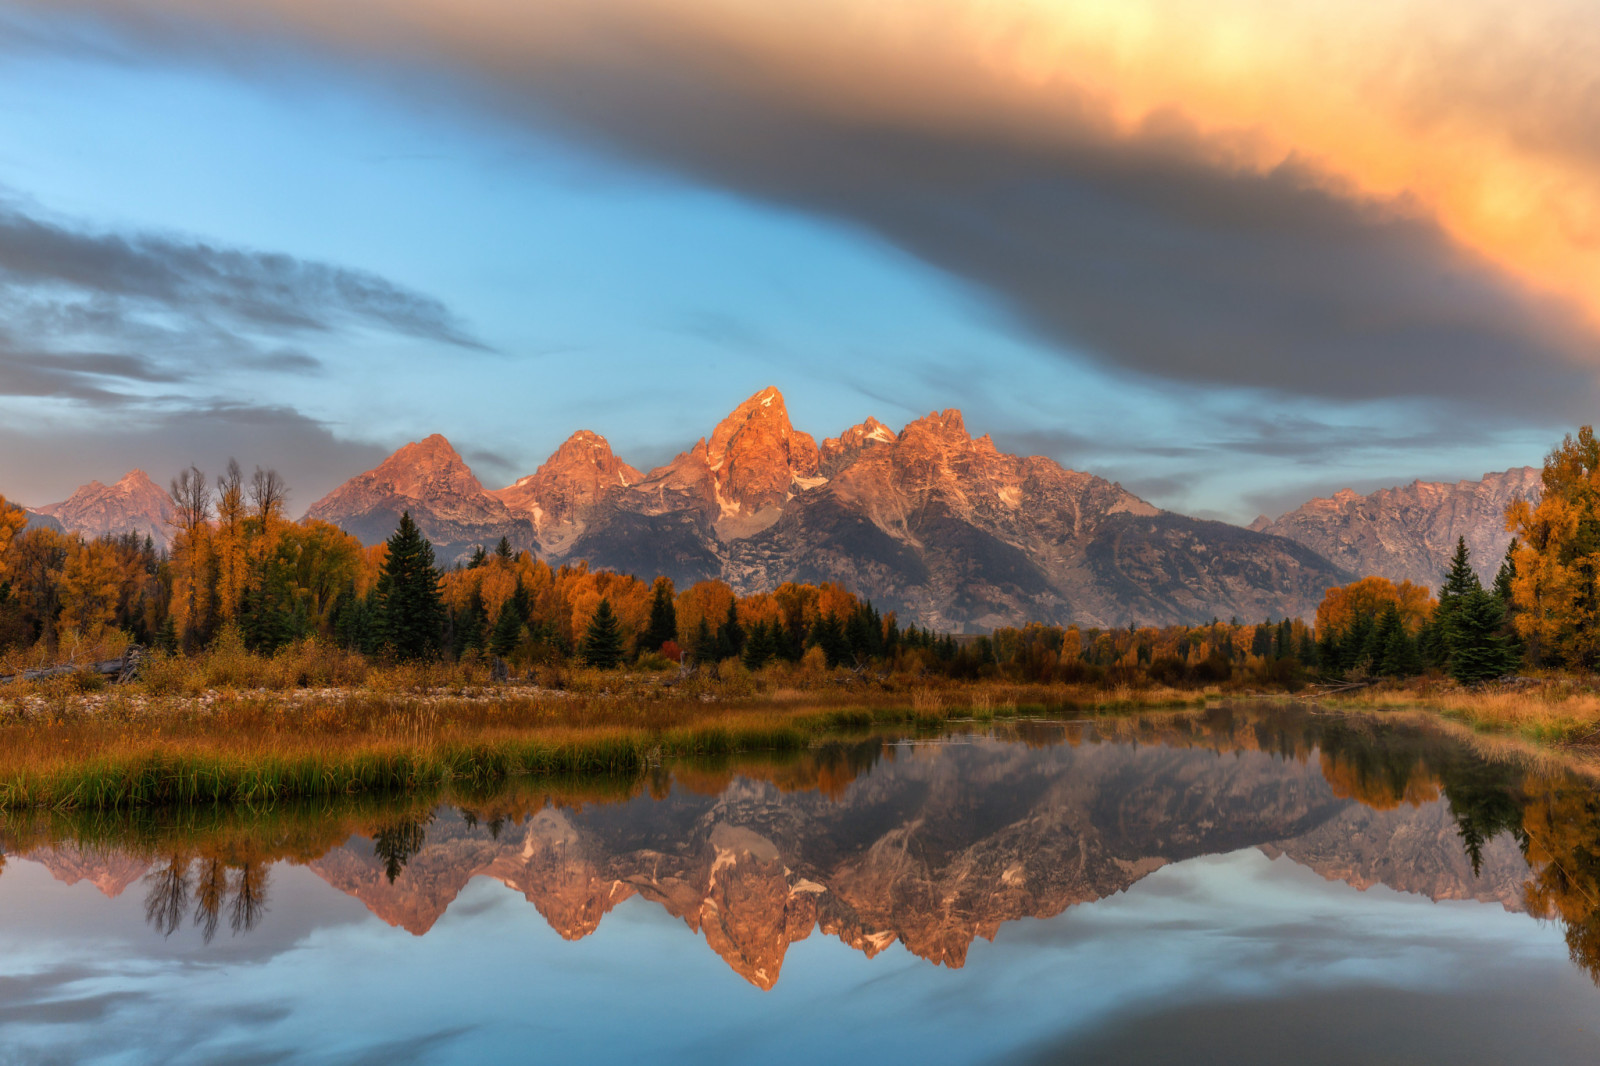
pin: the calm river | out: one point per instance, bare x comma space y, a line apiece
1243, 885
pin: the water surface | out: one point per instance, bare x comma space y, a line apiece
1238, 886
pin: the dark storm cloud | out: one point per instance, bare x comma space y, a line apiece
256, 291
1154, 251
1142, 254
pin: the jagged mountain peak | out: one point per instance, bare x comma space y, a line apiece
133, 504
562, 495
755, 456
430, 480
840, 450
949, 424
1407, 532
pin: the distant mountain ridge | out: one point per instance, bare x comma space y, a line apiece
942, 527
135, 504
1408, 533
929, 521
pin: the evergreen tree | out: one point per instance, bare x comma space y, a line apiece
1478, 649
1459, 581
602, 642
663, 617
1397, 652
1307, 652
507, 632
502, 550
270, 615
1507, 574
730, 637
828, 634
1261, 641
353, 621
470, 626
479, 557
1285, 648
758, 647
410, 617
703, 644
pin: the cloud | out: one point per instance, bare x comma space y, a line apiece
44, 461
1373, 221
89, 278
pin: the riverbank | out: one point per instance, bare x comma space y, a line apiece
1554, 709
65, 745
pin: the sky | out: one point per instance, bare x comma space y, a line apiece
1232, 254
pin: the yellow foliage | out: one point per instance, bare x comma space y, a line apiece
1556, 594
95, 581
12, 519
1371, 596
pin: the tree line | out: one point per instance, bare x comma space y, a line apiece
236, 563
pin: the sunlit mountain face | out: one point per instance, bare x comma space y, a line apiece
1215, 855
1234, 256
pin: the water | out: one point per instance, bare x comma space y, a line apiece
1239, 886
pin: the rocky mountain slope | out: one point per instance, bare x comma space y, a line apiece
1408, 533
944, 528
958, 534
432, 482
133, 505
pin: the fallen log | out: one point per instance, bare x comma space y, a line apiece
120, 670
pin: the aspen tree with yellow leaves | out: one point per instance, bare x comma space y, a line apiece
1555, 592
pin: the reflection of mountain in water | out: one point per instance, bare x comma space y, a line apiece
934, 848
937, 844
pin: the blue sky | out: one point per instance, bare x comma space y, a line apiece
570, 279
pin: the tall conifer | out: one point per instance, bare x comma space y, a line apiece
410, 615
602, 641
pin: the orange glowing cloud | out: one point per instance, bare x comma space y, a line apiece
1480, 116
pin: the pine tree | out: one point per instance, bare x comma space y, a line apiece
479, 557
502, 550
730, 637
758, 647
469, 626
1261, 640
410, 616
663, 617
703, 644
1397, 652
507, 631
828, 635
602, 642
1459, 580
1478, 649
1507, 574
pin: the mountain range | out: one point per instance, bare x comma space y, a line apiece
931, 522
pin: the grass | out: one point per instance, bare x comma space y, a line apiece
230, 728
1554, 709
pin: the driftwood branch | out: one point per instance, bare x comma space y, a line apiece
119, 670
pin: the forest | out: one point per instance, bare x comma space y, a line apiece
239, 574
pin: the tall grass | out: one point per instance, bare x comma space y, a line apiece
232, 727
1554, 709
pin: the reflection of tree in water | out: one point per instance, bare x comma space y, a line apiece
168, 899
397, 842
1554, 818
1562, 827
241, 890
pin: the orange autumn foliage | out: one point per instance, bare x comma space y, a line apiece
1369, 597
